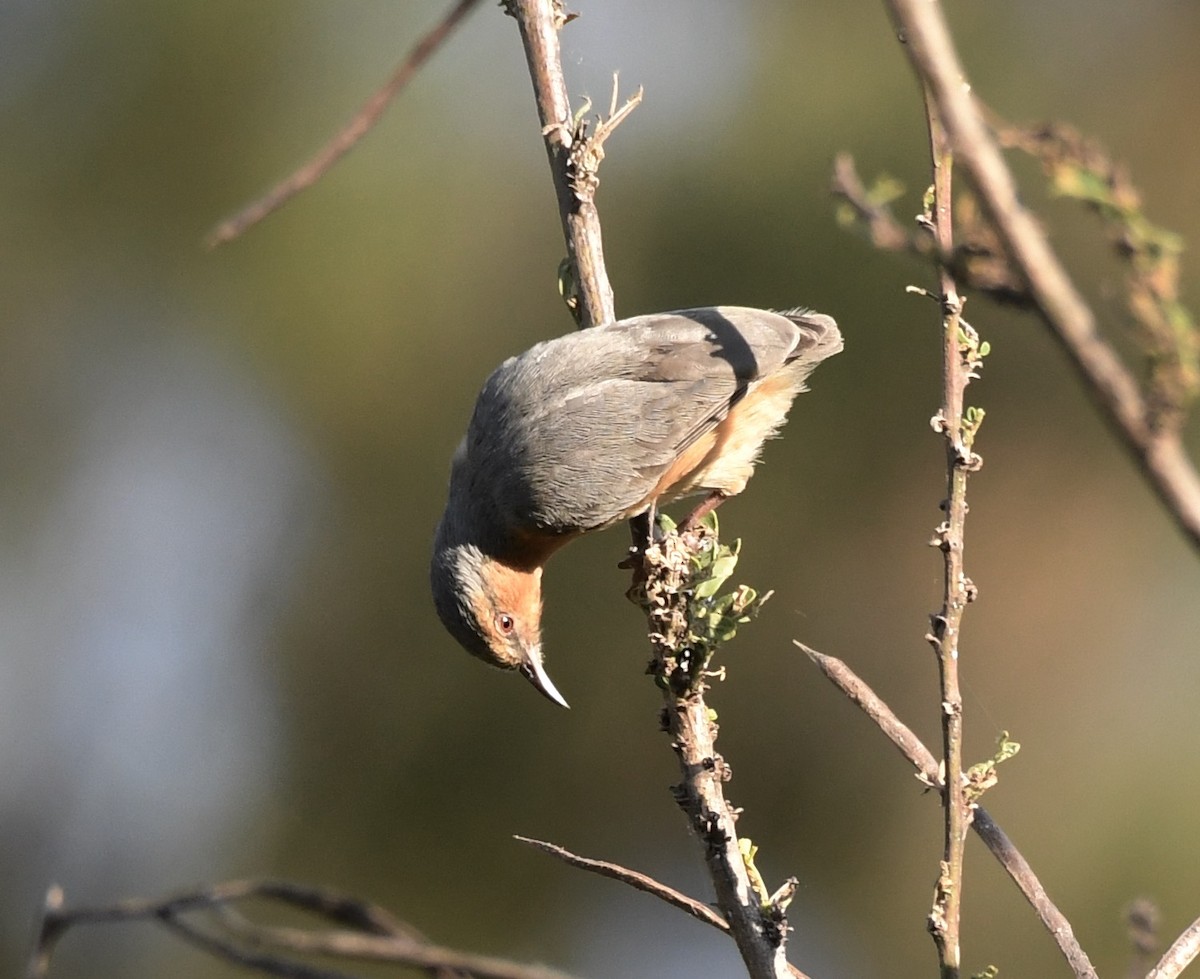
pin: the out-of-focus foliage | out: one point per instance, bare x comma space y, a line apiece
221, 472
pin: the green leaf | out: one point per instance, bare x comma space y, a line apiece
884, 190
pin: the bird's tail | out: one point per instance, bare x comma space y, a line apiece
820, 338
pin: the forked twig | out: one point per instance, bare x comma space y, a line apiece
367, 932
642, 882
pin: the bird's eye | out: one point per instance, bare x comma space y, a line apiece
505, 623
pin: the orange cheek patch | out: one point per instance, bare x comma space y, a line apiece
519, 593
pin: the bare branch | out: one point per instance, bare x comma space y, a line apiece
866, 700
574, 157
379, 948
1180, 955
1159, 453
371, 933
986, 829
345, 140
641, 881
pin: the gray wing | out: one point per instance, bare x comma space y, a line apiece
572, 433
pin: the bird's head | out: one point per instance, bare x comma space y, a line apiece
493, 609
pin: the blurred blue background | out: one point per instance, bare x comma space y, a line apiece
221, 471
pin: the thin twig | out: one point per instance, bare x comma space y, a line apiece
1161, 326
986, 829
957, 590
1160, 453
1180, 955
345, 140
643, 883
373, 934
384, 948
574, 156
886, 232
407, 939
633, 878
265, 962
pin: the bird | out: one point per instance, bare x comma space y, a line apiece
599, 426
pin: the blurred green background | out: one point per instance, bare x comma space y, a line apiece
221, 471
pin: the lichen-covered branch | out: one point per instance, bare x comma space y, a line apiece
679, 575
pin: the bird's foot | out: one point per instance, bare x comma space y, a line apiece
707, 506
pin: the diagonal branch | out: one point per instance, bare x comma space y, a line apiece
633, 878
258, 961
1180, 955
1159, 452
985, 827
645, 883
346, 139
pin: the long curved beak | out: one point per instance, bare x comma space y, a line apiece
536, 674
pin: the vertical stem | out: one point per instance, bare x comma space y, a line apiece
757, 922
760, 933
701, 794
944, 920
539, 22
